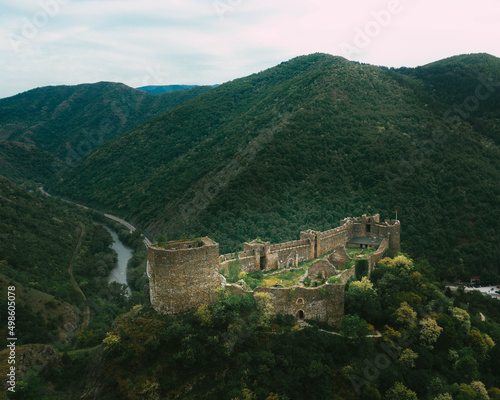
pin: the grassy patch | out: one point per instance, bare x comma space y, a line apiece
285, 279
354, 252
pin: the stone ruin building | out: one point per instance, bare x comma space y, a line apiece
184, 275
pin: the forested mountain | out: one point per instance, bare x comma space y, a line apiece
308, 142
21, 161
298, 146
67, 122
467, 85
158, 89
40, 240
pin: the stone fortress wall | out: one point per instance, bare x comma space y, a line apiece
184, 275
313, 244
324, 303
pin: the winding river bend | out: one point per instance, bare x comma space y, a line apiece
119, 273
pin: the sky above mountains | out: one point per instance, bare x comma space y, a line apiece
152, 42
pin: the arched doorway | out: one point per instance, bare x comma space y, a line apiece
300, 314
292, 260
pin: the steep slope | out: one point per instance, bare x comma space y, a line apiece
468, 85
40, 239
69, 121
300, 146
20, 160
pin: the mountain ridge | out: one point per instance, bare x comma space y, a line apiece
159, 89
70, 121
326, 138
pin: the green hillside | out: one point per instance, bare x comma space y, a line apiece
40, 239
159, 89
423, 345
304, 144
467, 86
18, 161
70, 121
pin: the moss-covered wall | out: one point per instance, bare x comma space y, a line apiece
324, 303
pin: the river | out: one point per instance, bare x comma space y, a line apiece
119, 273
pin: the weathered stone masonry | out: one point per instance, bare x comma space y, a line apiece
313, 244
184, 275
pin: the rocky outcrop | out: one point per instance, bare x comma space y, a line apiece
95, 385
37, 357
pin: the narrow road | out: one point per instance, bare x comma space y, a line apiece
130, 227
121, 221
86, 311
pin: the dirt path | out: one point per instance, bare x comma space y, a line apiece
303, 324
483, 318
86, 311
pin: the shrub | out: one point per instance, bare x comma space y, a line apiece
361, 269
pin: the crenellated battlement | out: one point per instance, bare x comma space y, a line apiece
185, 274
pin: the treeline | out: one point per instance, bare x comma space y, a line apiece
39, 239
305, 144
137, 277
433, 345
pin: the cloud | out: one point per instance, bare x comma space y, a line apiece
213, 41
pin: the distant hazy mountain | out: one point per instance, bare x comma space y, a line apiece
313, 140
69, 121
165, 89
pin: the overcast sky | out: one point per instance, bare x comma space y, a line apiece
153, 42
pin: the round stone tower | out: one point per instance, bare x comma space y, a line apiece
183, 275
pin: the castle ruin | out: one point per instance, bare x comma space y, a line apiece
184, 275
363, 232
